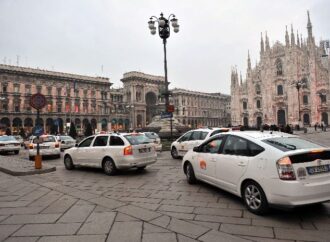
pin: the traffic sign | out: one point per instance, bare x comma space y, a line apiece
38, 101
38, 130
166, 115
170, 108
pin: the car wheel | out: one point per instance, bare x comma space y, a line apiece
109, 167
141, 168
174, 153
190, 174
31, 158
254, 198
16, 152
68, 163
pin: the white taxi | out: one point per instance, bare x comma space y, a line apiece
9, 144
191, 139
48, 146
112, 152
264, 168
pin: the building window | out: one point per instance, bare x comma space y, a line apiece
59, 107
4, 88
244, 105
85, 93
68, 92
38, 89
279, 67
93, 94
16, 88
59, 91
28, 89
279, 90
305, 99
17, 108
258, 89
258, 104
323, 98
49, 91
5, 107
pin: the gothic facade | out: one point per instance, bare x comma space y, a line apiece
289, 85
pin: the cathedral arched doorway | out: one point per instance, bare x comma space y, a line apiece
259, 122
281, 117
139, 120
245, 122
325, 118
17, 124
151, 109
306, 119
104, 124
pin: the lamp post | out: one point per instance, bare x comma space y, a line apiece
164, 33
299, 84
130, 108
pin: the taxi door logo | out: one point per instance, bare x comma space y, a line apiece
202, 164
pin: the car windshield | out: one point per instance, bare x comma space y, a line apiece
291, 143
18, 137
45, 139
137, 139
7, 138
152, 135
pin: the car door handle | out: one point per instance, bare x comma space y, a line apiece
241, 163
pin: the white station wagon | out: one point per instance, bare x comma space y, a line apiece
264, 168
112, 152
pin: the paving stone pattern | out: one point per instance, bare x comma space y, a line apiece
153, 205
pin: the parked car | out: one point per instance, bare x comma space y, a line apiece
28, 141
191, 139
19, 139
66, 142
9, 144
264, 168
154, 137
112, 152
49, 146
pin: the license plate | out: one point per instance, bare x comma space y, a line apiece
144, 150
312, 170
44, 147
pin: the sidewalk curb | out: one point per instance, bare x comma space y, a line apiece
26, 173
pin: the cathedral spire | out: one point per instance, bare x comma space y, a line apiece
262, 48
310, 30
287, 39
293, 42
249, 61
298, 41
241, 79
267, 43
233, 78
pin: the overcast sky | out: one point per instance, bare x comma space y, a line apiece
81, 36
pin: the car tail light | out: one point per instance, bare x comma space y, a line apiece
57, 145
128, 150
285, 169
31, 146
17, 144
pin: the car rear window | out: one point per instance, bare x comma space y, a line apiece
7, 138
45, 139
66, 138
137, 139
291, 143
152, 135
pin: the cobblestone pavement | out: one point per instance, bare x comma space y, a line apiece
153, 205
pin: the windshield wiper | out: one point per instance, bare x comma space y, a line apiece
287, 146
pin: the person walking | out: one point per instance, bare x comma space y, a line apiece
315, 126
322, 125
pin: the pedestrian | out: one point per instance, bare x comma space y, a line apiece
315, 126
322, 125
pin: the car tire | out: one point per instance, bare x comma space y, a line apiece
174, 153
109, 167
254, 198
141, 168
58, 156
190, 174
31, 158
68, 163
16, 152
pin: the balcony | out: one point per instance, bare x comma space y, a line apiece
323, 107
280, 98
322, 86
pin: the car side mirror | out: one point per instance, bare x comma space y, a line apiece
196, 149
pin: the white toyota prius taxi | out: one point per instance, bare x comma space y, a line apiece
264, 168
112, 152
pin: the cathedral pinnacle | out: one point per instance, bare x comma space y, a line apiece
249, 61
309, 29
262, 48
293, 42
267, 43
287, 39
298, 41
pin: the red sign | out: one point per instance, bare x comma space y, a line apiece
170, 108
38, 101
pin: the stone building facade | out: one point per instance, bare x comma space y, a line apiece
194, 109
70, 97
289, 85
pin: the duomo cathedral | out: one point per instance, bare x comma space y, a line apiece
289, 85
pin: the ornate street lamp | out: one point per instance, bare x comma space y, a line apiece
299, 84
164, 33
